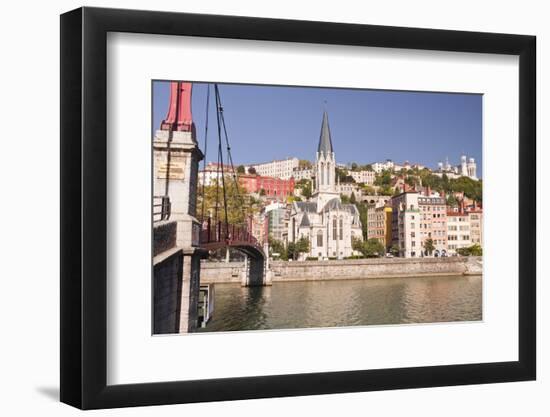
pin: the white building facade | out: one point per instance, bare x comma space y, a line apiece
458, 231
378, 167
406, 218
476, 227
348, 189
302, 173
212, 172
464, 229
283, 168
433, 223
363, 176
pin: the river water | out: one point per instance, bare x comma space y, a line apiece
287, 305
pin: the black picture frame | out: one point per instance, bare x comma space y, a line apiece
84, 207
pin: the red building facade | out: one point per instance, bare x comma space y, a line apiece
273, 187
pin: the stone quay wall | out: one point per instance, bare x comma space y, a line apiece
218, 272
167, 278
167, 287
164, 236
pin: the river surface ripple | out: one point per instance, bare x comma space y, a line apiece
288, 305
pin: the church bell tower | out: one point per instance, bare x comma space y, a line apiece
325, 167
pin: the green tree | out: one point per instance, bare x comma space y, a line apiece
386, 190
277, 247
357, 244
394, 250
305, 186
304, 163
363, 216
240, 204
295, 249
429, 246
371, 248
430, 180
240, 169
452, 201
471, 188
262, 192
252, 171
411, 180
463, 251
307, 192
343, 177
354, 166
474, 250
383, 179
352, 198
445, 183
367, 189
290, 250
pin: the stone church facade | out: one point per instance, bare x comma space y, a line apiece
325, 221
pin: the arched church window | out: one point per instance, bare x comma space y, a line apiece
319, 238
341, 236
334, 229
322, 173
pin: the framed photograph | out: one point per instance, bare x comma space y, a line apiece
257, 208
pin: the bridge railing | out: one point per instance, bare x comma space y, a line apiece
213, 232
161, 208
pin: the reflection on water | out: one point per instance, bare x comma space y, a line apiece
346, 303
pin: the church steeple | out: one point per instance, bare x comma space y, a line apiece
325, 141
325, 166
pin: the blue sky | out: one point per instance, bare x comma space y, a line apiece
272, 122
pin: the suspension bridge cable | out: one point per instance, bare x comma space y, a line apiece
205, 150
220, 151
228, 147
216, 207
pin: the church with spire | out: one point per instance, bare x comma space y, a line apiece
329, 225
